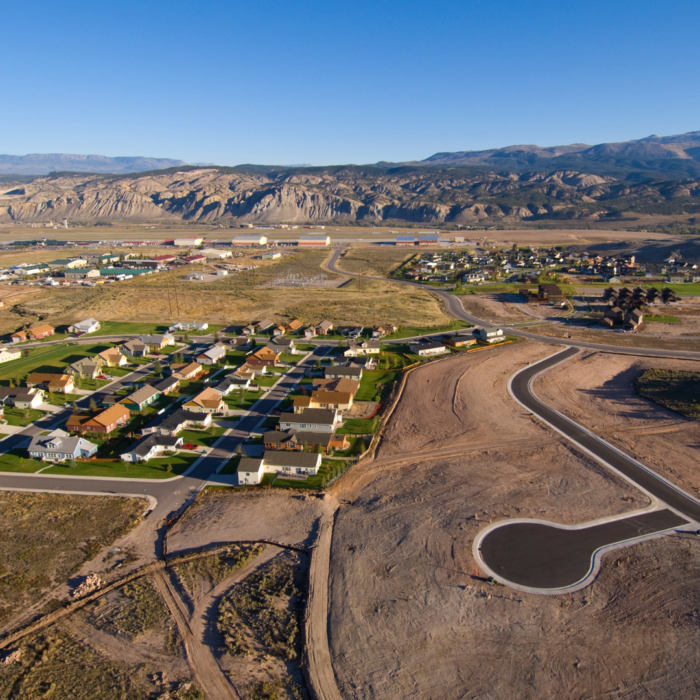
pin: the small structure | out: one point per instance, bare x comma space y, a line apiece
188, 242
7, 354
150, 446
216, 353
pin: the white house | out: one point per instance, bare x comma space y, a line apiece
214, 354
249, 471
7, 354
489, 334
151, 446
317, 420
84, 327
288, 463
428, 348
472, 277
366, 347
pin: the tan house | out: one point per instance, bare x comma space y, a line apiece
103, 422
338, 400
111, 357
62, 383
190, 371
265, 357
209, 400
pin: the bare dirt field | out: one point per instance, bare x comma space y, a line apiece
247, 516
495, 307
407, 618
597, 390
687, 313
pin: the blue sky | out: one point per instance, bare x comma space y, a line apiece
282, 82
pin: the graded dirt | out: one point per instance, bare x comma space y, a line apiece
408, 618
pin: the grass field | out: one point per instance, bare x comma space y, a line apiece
17, 461
409, 332
359, 426
377, 262
22, 416
52, 358
662, 319
153, 469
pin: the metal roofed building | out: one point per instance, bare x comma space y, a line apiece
248, 239
315, 240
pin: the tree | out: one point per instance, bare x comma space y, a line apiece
186, 337
76, 408
71, 463
25, 352
12, 382
158, 366
93, 404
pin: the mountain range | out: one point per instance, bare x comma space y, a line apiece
578, 184
45, 163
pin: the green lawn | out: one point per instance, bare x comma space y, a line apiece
17, 461
52, 358
357, 446
662, 319
56, 399
153, 469
231, 466
329, 468
359, 426
289, 358
202, 438
267, 381
233, 400
279, 370
22, 416
685, 288
306, 347
270, 423
410, 331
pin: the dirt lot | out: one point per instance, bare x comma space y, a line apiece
688, 313
597, 390
46, 538
408, 619
247, 516
495, 307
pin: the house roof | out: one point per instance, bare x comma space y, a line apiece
110, 354
167, 384
88, 323
265, 353
287, 458
59, 441
325, 326
428, 345
340, 371
294, 325
143, 446
42, 328
141, 395
320, 416
156, 339
302, 401
249, 465
135, 345
112, 414
168, 421
339, 397
53, 380
207, 398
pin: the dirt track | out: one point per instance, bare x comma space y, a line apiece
407, 619
597, 390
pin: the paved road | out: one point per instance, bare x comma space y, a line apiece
543, 556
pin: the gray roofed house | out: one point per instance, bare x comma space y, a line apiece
157, 341
283, 345
428, 348
166, 385
134, 348
58, 446
85, 367
21, 397
228, 384
319, 420
173, 423
291, 462
293, 440
249, 471
339, 372
90, 325
149, 446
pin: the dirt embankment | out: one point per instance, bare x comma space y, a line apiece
406, 617
597, 390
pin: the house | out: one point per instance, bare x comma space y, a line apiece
339, 372
290, 462
250, 471
186, 372
85, 367
324, 328
62, 383
264, 357
349, 386
489, 334
150, 446
258, 327
459, 341
319, 420
173, 423
21, 397
58, 446
19, 337
310, 332
364, 347
242, 342
134, 348
38, 332
550, 293
634, 318
103, 422
216, 353
209, 401
157, 342
111, 357
7, 354
314, 240
473, 277
72, 275
167, 385
292, 440
382, 331
293, 326
187, 326
231, 383
428, 348
281, 345
141, 398
675, 278
88, 326
337, 400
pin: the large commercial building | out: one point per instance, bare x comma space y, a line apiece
188, 242
249, 239
315, 240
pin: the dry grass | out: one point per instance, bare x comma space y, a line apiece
239, 298
45, 538
374, 261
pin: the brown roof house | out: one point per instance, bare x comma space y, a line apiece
209, 400
62, 383
112, 357
103, 422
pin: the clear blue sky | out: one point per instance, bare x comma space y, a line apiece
322, 82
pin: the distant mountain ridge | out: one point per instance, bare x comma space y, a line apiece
670, 156
45, 163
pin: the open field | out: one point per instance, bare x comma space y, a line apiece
597, 390
377, 262
156, 468
458, 453
237, 299
46, 538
